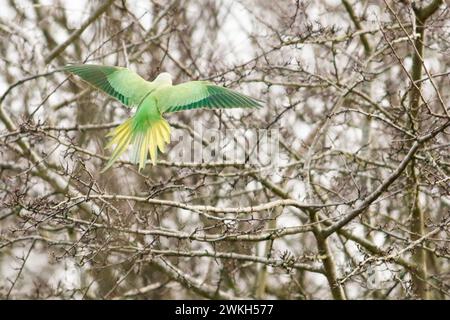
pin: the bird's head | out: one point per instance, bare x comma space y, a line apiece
164, 77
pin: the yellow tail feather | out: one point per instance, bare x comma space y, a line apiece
145, 141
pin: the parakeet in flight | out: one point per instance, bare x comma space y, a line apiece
147, 130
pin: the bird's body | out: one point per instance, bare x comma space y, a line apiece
147, 130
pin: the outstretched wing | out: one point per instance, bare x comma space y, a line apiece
120, 83
201, 94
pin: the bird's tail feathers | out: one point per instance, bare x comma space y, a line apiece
120, 137
146, 139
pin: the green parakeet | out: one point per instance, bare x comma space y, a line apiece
147, 130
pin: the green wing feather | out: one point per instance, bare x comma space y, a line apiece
120, 83
200, 94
